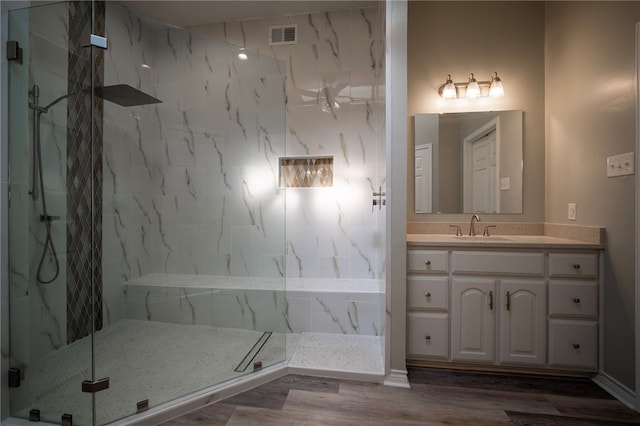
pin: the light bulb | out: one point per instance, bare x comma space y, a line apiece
473, 89
449, 91
496, 90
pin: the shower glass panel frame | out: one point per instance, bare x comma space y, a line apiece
167, 220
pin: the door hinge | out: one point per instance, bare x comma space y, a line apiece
14, 51
92, 387
142, 406
14, 377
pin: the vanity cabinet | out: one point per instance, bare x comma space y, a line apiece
513, 308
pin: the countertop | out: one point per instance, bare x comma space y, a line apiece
498, 241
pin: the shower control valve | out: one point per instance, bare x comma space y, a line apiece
378, 200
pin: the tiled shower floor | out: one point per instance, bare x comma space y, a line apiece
162, 361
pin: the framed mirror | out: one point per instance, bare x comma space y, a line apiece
468, 162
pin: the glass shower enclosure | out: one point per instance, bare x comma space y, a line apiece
146, 225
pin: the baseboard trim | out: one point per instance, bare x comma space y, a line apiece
616, 389
398, 379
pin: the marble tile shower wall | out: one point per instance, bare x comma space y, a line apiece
38, 311
190, 185
331, 232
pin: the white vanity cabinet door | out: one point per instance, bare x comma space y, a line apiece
473, 319
573, 344
428, 335
523, 319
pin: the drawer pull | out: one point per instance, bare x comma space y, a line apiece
576, 346
427, 337
427, 262
427, 294
491, 300
576, 266
508, 301
576, 300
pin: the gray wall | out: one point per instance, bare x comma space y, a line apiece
590, 115
480, 37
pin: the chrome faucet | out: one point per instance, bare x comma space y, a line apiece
472, 230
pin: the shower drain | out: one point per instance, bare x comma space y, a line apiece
248, 358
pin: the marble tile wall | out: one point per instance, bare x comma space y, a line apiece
191, 184
339, 57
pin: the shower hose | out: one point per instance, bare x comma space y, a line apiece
37, 152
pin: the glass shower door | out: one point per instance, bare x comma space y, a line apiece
193, 219
52, 302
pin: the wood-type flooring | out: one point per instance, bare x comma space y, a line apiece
436, 397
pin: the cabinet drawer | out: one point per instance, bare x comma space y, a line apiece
428, 261
573, 344
427, 292
428, 335
529, 264
573, 265
573, 299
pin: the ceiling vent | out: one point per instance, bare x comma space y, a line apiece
283, 34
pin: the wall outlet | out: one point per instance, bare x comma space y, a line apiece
572, 211
620, 165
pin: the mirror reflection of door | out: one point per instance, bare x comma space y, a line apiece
423, 178
484, 173
481, 169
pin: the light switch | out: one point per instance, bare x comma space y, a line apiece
620, 165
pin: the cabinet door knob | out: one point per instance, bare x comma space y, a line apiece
427, 294
576, 300
576, 346
576, 266
427, 262
427, 337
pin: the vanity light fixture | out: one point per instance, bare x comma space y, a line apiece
472, 88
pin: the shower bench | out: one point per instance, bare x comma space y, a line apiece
299, 305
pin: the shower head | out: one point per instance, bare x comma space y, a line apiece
125, 95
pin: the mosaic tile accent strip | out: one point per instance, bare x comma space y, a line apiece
84, 176
306, 172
